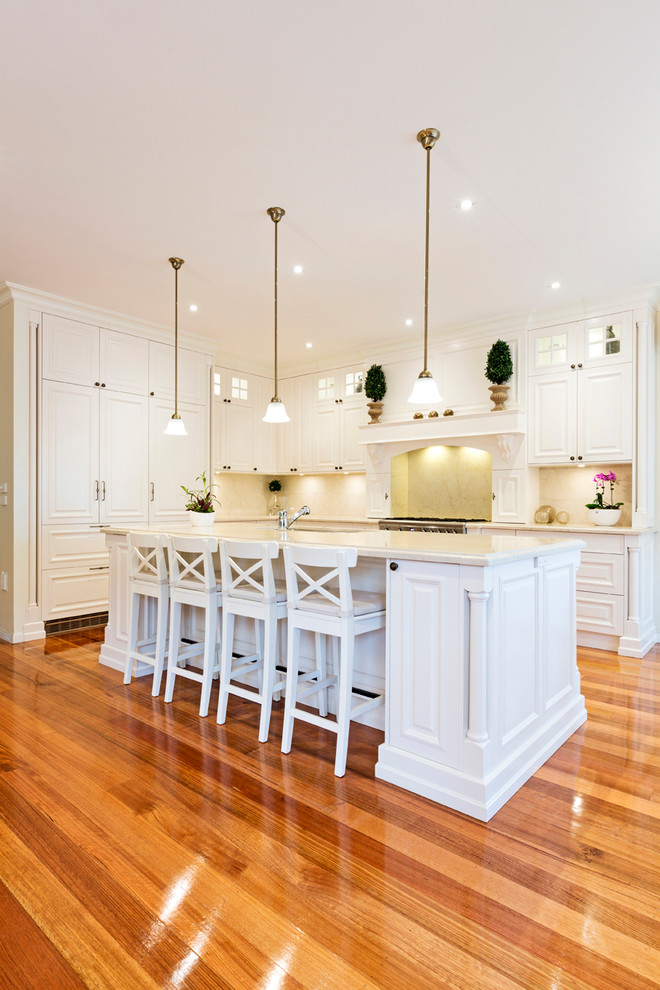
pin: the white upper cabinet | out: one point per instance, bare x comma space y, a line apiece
175, 460
338, 407
233, 421
583, 344
86, 355
580, 392
193, 373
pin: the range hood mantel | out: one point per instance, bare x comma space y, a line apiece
455, 430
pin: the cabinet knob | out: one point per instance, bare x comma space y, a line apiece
572, 458
579, 365
394, 566
97, 384
152, 393
102, 384
341, 400
254, 469
579, 457
572, 367
336, 401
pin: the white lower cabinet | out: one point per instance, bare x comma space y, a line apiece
614, 586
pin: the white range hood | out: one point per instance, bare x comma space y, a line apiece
497, 432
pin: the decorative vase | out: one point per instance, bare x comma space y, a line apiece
604, 517
374, 409
498, 396
274, 504
201, 519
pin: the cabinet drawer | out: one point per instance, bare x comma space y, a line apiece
601, 573
600, 613
68, 546
602, 542
74, 591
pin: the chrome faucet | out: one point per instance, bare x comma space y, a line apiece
284, 523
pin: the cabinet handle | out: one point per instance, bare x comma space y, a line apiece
99, 568
394, 566
572, 458
572, 367
152, 393
153, 491
97, 384
102, 384
254, 469
579, 457
96, 496
336, 401
341, 400
579, 365
103, 491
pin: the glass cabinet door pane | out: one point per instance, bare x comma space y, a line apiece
604, 340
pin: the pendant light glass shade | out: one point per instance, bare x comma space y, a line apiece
175, 427
275, 413
425, 390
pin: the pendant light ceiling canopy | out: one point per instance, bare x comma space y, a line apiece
276, 412
175, 426
425, 390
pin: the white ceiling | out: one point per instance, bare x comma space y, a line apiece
138, 129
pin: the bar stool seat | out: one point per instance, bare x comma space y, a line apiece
250, 589
321, 600
194, 582
147, 580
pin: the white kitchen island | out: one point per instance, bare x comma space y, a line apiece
478, 659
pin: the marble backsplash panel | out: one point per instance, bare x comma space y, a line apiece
568, 488
443, 481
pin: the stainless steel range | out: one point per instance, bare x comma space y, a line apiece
427, 525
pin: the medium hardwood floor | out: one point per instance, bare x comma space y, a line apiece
144, 847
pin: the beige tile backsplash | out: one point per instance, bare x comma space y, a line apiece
568, 488
330, 496
446, 482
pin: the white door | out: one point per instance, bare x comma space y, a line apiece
124, 462
606, 414
238, 434
70, 351
266, 435
553, 419
175, 461
352, 455
326, 437
124, 362
193, 374
70, 453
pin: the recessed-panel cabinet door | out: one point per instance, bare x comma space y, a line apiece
175, 461
193, 373
124, 465
70, 351
606, 414
124, 362
352, 453
553, 419
326, 435
70, 453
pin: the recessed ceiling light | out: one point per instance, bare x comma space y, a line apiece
308, 344
555, 285
298, 269
409, 323
466, 204
193, 308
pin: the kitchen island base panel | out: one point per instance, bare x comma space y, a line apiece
471, 795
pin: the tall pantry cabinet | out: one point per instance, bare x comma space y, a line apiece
106, 397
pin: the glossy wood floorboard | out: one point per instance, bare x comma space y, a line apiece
144, 847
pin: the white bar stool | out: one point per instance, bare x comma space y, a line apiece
249, 589
147, 579
194, 581
320, 599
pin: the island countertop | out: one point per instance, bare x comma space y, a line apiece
480, 550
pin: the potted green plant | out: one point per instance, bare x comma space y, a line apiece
499, 368
603, 513
375, 387
201, 502
274, 487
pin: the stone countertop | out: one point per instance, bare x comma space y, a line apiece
555, 530
474, 550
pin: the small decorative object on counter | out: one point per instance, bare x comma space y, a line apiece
201, 502
603, 513
375, 387
274, 487
563, 517
499, 368
545, 514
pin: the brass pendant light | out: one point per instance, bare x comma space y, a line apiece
175, 426
275, 412
425, 390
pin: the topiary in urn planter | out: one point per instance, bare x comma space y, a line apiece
375, 387
499, 368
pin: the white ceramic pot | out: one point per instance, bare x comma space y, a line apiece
604, 517
201, 519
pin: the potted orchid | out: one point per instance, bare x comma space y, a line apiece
604, 513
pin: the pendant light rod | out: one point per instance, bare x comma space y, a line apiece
276, 412
427, 139
175, 427
275, 213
